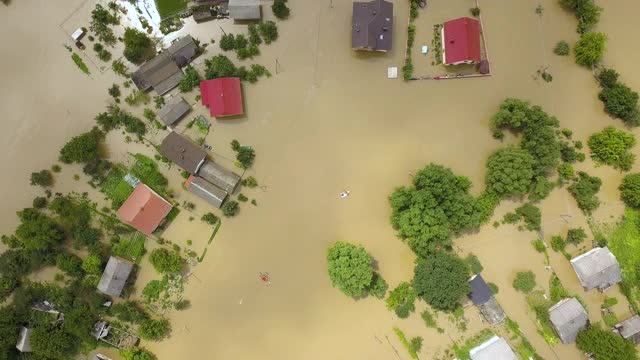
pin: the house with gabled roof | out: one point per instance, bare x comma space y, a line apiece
597, 268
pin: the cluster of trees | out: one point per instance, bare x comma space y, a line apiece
190, 80
103, 54
590, 48
611, 147
441, 280
230, 208
115, 118
101, 21
586, 11
43, 178
244, 48
585, 189
220, 66
619, 100
350, 269
138, 46
630, 190
280, 9
82, 148
165, 261
604, 344
244, 154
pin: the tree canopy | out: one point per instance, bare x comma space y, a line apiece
349, 268
525, 281
280, 9
630, 190
52, 342
138, 47
43, 178
585, 189
154, 330
82, 148
165, 261
441, 280
37, 231
509, 172
590, 48
605, 344
586, 11
611, 147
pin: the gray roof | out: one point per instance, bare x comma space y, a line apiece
174, 109
182, 152
24, 344
183, 50
207, 191
202, 15
492, 311
115, 276
495, 348
629, 327
480, 292
568, 318
160, 73
244, 9
219, 176
597, 268
372, 25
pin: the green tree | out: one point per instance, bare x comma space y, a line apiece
590, 48
9, 325
475, 267
441, 280
92, 264
557, 243
129, 311
230, 208
43, 178
605, 344
52, 342
630, 190
280, 9
622, 102
82, 148
7, 285
561, 48
220, 66
608, 78
268, 31
190, 80
227, 42
586, 11
209, 218
576, 236
584, 190
509, 172
349, 268
401, 300
525, 281
165, 261
611, 147
138, 47
37, 231
136, 353
154, 330
245, 156
70, 264
378, 287
531, 216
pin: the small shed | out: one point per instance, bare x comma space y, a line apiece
219, 176
597, 268
183, 152
24, 344
629, 329
568, 318
183, 50
206, 191
244, 9
482, 297
115, 276
461, 41
495, 348
223, 96
173, 110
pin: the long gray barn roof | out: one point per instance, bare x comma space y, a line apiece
244, 9
495, 348
174, 109
160, 73
597, 268
372, 25
207, 191
182, 152
115, 276
219, 176
568, 318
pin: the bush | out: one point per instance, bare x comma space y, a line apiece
250, 182
349, 268
165, 261
401, 300
605, 344
540, 188
525, 281
230, 208
441, 280
92, 264
182, 305
509, 172
608, 78
39, 202
609, 302
268, 31
538, 245
531, 216
561, 48
138, 47
154, 330
82, 148
584, 190
227, 42
622, 102
70, 264
378, 287
245, 156
475, 267
114, 91
7, 285
557, 243
280, 9
576, 236
190, 80
129, 311
136, 353
566, 171
630, 190
210, 218
590, 48
475, 11
611, 147
43, 178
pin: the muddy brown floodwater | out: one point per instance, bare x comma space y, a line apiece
329, 120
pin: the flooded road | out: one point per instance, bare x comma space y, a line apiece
327, 121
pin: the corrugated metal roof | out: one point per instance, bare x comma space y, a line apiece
629, 327
219, 176
244, 9
597, 268
495, 348
173, 110
461, 40
207, 191
223, 96
115, 276
568, 318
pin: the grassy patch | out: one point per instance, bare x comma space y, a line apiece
413, 352
524, 347
540, 307
462, 350
115, 188
81, 65
167, 8
130, 247
610, 319
146, 169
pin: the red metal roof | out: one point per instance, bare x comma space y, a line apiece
144, 209
188, 182
461, 40
223, 96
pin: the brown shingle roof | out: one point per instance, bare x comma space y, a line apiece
183, 152
372, 25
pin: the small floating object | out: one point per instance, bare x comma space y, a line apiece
422, 4
425, 49
392, 72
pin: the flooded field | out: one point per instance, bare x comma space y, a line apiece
326, 121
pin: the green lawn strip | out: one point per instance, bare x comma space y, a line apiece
147, 171
462, 350
115, 188
167, 8
540, 307
80, 63
130, 246
524, 347
405, 343
213, 234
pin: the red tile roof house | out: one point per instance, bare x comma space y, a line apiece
461, 41
223, 96
145, 210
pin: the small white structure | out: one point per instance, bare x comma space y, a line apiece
23, 344
495, 348
78, 34
244, 9
392, 72
597, 268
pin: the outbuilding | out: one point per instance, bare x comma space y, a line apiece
597, 268
115, 276
629, 329
183, 152
244, 9
223, 96
461, 41
183, 50
495, 348
372, 25
145, 210
160, 73
219, 176
482, 297
24, 345
206, 191
568, 318
173, 110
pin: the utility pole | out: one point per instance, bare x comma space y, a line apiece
222, 30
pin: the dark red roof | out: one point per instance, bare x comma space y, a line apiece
223, 96
461, 40
144, 209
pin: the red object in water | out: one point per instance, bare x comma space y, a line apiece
461, 41
263, 278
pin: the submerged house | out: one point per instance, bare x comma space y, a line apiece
568, 318
173, 110
495, 348
482, 297
183, 50
372, 25
206, 191
145, 210
115, 276
183, 152
244, 9
219, 176
597, 268
23, 344
629, 329
223, 96
160, 73
461, 41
